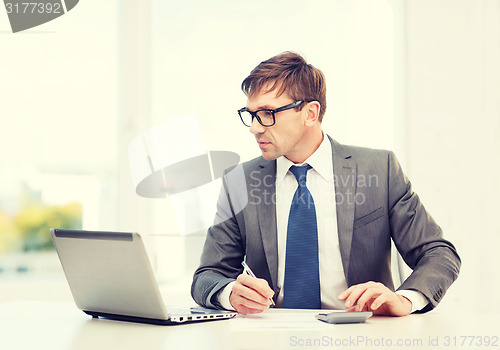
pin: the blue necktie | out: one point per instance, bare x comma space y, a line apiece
301, 287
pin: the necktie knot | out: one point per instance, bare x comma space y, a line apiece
300, 173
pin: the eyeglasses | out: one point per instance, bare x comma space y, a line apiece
266, 117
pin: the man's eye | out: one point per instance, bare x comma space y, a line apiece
265, 114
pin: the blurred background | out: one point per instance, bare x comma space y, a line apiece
420, 77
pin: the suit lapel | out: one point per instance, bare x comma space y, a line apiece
266, 217
344, 171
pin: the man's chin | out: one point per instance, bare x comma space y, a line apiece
269, 156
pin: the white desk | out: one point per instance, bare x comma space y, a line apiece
59, 325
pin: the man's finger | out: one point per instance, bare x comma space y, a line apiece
246, 310
257, 284
370, 293
378, 302
251, 303
355, 294
249, 293
345, 293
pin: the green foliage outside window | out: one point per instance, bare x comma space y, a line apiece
29, 228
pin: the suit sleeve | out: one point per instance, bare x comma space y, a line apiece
223, 251
419, 240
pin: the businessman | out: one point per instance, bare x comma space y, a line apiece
313, 218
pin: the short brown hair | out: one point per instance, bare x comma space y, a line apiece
289, 71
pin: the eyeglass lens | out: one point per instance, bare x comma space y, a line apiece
266, 118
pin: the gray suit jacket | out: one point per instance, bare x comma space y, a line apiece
375, 203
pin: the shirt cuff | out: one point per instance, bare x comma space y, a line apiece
417, 299
223, 297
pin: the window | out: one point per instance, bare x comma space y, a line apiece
58, 150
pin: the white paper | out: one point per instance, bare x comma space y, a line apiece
280, 319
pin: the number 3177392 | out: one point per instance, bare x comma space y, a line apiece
33, 7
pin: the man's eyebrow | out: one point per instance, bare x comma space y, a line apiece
263, 107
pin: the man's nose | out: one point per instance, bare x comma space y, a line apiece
256, 127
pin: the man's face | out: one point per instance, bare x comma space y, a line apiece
284, 137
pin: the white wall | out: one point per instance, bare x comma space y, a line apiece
453, 132
202, 51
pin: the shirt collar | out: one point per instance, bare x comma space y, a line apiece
320, 160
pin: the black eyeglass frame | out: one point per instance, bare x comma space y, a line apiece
272, 111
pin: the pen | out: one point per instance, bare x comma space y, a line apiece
248, 271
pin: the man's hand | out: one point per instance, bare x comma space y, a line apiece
250, 295
377, 298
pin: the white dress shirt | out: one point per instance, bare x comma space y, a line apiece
320, 183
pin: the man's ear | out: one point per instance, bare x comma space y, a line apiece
312, 109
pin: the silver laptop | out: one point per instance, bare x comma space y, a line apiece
110, 275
